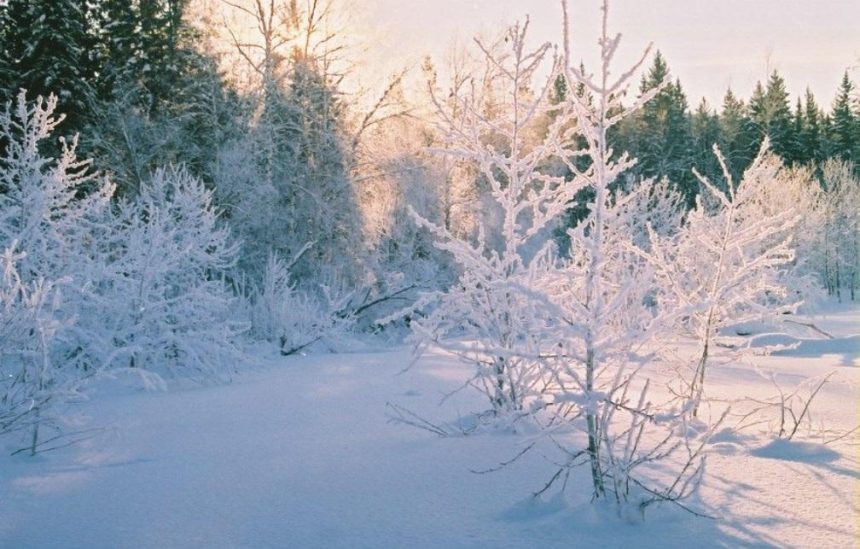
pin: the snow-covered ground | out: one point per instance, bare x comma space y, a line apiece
299, 452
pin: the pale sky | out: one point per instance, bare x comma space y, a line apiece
709, 44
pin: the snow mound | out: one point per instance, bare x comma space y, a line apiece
792, 450
788, 345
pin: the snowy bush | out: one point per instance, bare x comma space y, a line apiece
48, 210
490, 306
33, 386
47, 205
295, 319
724, 265
556, 338
639, 452
161, 300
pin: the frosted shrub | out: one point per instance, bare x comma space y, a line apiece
48, 209
32, 385
557, 338
490, 305
291, 318
724, 266
41, 207
161, 302
639, 452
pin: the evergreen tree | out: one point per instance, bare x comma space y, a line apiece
771, 115
798, 154
845, 129
45, 47
141, 49
705, 126
736, 142
321, 202
810, 135
160, 100
663, 143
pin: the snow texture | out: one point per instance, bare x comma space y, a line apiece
297, 453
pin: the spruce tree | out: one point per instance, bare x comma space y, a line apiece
321, 202
798, 154
810, 135
45, 47
736, 141
771, 115
663, 143
705, 126
141, 49
845, 129
160, 100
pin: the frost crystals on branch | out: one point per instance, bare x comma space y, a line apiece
638, 452
723, 266
488, 316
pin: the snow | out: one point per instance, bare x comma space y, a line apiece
299, 452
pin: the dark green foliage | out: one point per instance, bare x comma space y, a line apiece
46, 47
144, 48
770, 115
737, 144
660, 136
706, 134
845, 127
810, 149
159, 99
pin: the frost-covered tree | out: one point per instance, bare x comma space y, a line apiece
33, 386
839, 243
317, 195
724, 264
47, 205
161, 302
489, 305
602, 299
398, 173
556, 338
296, 180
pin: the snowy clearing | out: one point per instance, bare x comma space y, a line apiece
298, 452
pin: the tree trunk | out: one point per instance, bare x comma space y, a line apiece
593, 431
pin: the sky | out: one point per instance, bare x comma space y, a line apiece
708, 44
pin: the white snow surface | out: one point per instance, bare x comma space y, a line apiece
298, 452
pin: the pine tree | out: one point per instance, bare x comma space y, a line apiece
735, 137
798, 154
771, 115
705, 125
140, 47
810, 135
320, 200
664, 133
845, 129
160, 100
45, 48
